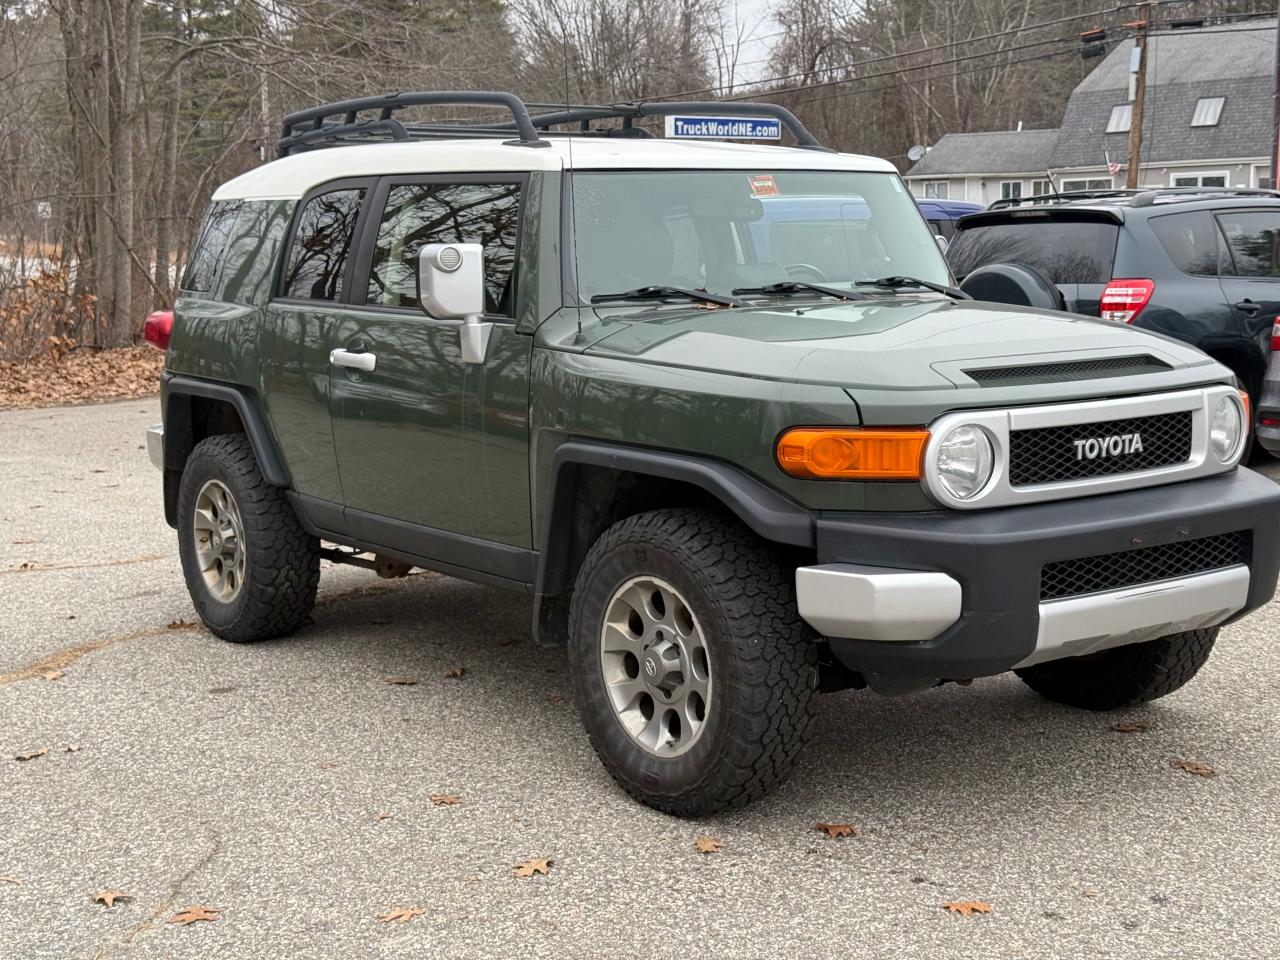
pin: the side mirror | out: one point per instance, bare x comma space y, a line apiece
941, 241
451, 287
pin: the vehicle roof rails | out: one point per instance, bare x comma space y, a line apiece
340, 123
1147, 198
1061, 197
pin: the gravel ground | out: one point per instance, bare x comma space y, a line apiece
287, 784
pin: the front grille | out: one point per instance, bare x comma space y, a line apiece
1049, 454
1111, 571
1066, 371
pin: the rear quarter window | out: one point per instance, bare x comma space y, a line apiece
1191, 240
1065, 251
210, 246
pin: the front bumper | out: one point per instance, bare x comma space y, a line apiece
915, 597
155, 445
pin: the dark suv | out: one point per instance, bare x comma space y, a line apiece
1201, 265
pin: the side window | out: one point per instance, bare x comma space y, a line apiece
1190, 240
321, 244
416, 214
1254, 240
211, 244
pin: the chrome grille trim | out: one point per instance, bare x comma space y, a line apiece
998, 424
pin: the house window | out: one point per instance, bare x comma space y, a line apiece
1208, 110
1121, 114
1098, 183
936, 189
1041, 188
1010, 189
1201, 180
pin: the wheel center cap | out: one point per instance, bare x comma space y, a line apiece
651, 667
217, 541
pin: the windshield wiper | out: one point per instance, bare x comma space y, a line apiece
901, 283
797, 286
663, 292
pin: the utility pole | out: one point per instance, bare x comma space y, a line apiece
1275, 132
1142, 27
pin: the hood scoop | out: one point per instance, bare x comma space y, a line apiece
1092, 369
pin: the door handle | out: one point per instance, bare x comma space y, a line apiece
355, 361
1249, 307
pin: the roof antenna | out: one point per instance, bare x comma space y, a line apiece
569, 206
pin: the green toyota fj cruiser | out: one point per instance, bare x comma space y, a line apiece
716, 406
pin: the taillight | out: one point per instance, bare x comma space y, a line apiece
1275, 335
1123, 300
158, 328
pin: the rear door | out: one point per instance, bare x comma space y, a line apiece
1074, 249
1251, 275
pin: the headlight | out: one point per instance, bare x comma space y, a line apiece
1226, 429
964, 459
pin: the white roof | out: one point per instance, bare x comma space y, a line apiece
291, 177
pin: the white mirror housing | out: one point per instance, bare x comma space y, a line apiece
451, 280
941, 241
451, 287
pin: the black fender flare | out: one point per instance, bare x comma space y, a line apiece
174, 388
763, 509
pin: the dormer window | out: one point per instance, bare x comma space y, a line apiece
1121, 114
1208, 110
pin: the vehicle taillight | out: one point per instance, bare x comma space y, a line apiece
1123, 300
157, 329
1275, 335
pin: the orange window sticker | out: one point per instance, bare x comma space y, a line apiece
763, 185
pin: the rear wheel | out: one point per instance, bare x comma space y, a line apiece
694, 674
250, 568
1123, 676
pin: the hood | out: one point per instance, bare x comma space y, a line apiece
900, 343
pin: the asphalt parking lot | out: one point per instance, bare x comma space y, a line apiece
288, 785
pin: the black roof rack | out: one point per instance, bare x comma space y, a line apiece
1141, 197
338, 123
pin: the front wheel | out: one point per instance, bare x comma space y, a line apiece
694, 674
250, 568
1123, 676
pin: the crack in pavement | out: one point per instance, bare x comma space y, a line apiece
32, 566
61, 659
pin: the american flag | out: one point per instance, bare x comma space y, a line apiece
1112, 167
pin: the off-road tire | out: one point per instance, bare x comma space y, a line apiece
282, 561
763, 659
1123, 676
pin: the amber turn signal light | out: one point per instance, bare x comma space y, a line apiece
852, 453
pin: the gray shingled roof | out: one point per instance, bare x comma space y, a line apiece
1181, 68
1003, 151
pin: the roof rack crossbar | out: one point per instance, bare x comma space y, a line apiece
1148, 197
305, 129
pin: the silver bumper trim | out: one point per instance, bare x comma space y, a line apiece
857, 602
1076, 626
155, 445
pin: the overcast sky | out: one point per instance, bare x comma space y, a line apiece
754, 16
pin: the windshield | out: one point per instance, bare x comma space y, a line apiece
721, 230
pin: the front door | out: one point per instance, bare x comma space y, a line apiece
433, 451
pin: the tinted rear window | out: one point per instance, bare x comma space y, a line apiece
321, 242
1254, 239
1065, 251
1191, 240
211, 244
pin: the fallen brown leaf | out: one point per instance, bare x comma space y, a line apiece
837, 829
195, 914
401, 914
1131, 726
967, 908
328, 765
445, 799
25, 543
400, 681
53, 675
179, 624
14, 880
454, 673
32, 754
109, 897
707, 845
383, 816
1195, 768
528, 868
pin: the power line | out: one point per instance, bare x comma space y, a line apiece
898, 56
